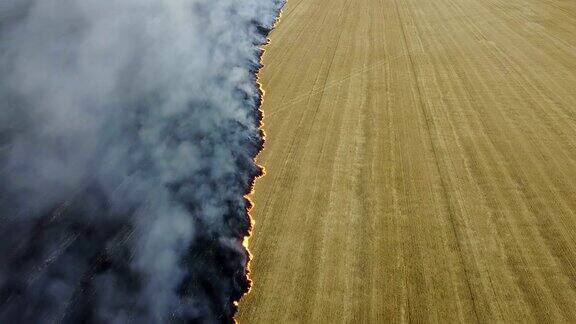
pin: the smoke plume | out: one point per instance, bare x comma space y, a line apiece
128, 130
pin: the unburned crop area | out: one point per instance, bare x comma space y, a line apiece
421, 163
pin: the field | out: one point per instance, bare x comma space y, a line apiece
421, 163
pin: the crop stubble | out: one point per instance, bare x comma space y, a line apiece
421, 163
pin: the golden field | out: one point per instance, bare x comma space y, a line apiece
421, 163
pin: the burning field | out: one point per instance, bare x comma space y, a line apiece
128, 131
420, 159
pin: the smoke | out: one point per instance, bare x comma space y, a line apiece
128, 130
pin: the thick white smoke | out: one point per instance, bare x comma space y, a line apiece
128, 130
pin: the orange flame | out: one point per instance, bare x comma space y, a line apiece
247, 197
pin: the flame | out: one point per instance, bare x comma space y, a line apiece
251, 191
